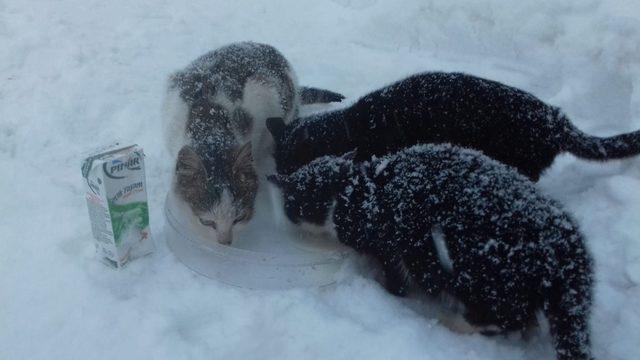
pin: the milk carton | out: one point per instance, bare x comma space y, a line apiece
116, 194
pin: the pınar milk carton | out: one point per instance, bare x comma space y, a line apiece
116, 194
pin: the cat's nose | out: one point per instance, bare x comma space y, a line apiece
225, 238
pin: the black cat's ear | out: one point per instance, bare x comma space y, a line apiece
351, 155
276, 127
278, 180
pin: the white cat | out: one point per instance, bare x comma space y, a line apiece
214, 113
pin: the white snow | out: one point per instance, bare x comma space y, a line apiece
78, 74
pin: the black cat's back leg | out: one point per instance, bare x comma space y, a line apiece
412, 259
396, 274
425, 266
568, 313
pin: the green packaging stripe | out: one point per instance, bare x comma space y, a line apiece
124, 217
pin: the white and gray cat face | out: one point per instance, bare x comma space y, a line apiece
220, 190
223, 218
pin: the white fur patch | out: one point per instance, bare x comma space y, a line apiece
328, 228
224, 215
277, 203
223, 100
441, 247
261, 99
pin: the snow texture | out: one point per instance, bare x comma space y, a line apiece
78, 74
510, 251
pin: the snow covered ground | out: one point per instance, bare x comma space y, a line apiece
75, 74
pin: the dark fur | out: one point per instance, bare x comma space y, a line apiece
505, 123
513, 251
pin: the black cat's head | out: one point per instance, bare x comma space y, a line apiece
310, 191
291, 148
219, 189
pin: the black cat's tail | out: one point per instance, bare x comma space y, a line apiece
310, 95
599, 148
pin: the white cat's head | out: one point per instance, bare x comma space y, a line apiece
220, 190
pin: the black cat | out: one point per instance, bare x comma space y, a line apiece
461, 224
505, 123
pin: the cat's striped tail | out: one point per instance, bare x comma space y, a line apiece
310, 95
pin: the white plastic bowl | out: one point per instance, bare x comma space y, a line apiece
264, 256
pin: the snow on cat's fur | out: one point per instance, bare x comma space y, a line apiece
503, 122
215, 111
463, 225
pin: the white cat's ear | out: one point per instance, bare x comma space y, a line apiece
191, 177
276, 127
243, 159
189, 163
